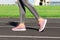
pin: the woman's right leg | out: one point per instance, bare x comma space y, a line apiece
21, 26
41, 21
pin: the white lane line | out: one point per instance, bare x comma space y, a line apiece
30, 26
52, 27
50, 37
46, 27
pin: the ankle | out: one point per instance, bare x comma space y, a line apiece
22, 25
40, 19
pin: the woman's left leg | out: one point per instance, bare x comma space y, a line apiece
21, 25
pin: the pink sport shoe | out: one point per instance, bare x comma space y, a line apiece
18, 29
43, 25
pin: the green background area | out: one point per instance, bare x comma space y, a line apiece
12, 11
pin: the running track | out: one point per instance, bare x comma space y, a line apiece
51, 32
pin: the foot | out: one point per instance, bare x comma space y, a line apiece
42, 25
20, 27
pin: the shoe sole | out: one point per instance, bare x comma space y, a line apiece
18, 29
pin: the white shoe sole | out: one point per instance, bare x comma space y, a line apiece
43, 26
18, 29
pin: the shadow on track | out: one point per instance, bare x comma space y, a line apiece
16, 24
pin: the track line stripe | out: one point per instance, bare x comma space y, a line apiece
8, 36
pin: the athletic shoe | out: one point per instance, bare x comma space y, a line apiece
43, 25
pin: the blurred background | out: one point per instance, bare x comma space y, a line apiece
33, 2
45, 8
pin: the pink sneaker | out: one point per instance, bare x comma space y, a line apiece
18, 29
43, 25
